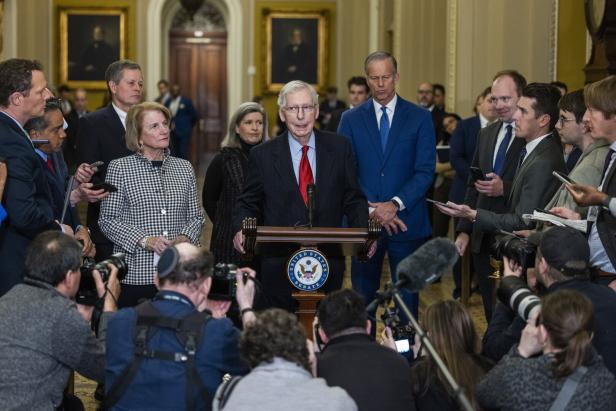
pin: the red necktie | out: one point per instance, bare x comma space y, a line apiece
50, 164
305, 174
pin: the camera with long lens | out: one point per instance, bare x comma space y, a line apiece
515, 249
87, 294
404, 335
514, 292
224, 285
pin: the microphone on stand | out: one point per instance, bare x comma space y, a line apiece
311, 191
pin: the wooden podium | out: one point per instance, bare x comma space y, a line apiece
354, 242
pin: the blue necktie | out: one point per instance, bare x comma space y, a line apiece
499, 162
384, 127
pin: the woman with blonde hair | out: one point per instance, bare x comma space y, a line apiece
555, 365
156, 203
224, 179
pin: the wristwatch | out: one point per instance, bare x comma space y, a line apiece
396, 203
143, 243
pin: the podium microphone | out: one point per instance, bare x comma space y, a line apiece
311, 191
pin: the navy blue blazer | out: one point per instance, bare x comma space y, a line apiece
185, 118
462, 148
406, 169
58, 180
27, 201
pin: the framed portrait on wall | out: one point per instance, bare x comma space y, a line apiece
90, 40
295, 47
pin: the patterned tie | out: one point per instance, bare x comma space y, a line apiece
522, 156
499, 162
305, 174
384, 127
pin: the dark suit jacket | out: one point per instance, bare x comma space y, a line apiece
483, 158
27, 201
185, 118
376, 377
606, 223
533, 187
100, 137
58, 180
271, 192
462, 148
437, 120
406, 169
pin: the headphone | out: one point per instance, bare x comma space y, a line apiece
168, 262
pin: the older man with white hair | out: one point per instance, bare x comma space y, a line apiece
275, 192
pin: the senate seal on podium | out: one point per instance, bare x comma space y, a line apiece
308, 269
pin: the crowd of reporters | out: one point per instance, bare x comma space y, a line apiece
550, 339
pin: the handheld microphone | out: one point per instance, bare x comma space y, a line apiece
426, 264
311, 191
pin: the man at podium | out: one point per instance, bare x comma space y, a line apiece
281, 173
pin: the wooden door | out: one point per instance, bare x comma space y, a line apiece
199, 66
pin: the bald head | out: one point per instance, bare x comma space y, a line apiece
187, 251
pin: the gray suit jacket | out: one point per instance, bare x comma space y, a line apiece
532, 188
484, 159
588, 170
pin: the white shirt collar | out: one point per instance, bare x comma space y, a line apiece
483, 121
391, 106
121, 114
533, 144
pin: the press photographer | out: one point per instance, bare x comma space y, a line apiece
562, 262
45, 335
374, 376
172, 352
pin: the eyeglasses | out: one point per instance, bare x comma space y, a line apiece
562, 120
297, 109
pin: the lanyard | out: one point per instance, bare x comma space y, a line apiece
173, 297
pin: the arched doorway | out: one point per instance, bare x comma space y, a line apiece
198, 63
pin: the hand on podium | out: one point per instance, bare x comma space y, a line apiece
238, 242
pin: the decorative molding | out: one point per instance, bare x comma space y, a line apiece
158, 46
373, 28
9, 30
207, 18
451, 54
553, 68
397, 28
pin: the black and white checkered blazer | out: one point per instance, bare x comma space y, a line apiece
150, 201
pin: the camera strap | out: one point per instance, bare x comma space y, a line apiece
566, 392
189, 331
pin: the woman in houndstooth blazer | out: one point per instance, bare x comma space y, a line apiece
156, 203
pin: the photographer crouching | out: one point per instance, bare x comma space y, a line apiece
172, 353
561, 262
45, 334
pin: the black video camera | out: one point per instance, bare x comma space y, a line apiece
517, 249
404, 335
224, 286
87, 294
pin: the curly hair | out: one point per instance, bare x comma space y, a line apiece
274, 333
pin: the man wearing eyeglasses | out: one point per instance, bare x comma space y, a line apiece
276, 190
573, 130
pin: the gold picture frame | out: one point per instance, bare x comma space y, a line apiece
295, 47
83, 59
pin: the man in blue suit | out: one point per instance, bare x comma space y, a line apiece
184, 118
393, 142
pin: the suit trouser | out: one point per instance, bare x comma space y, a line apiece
366, 276
483, 271
180, 146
